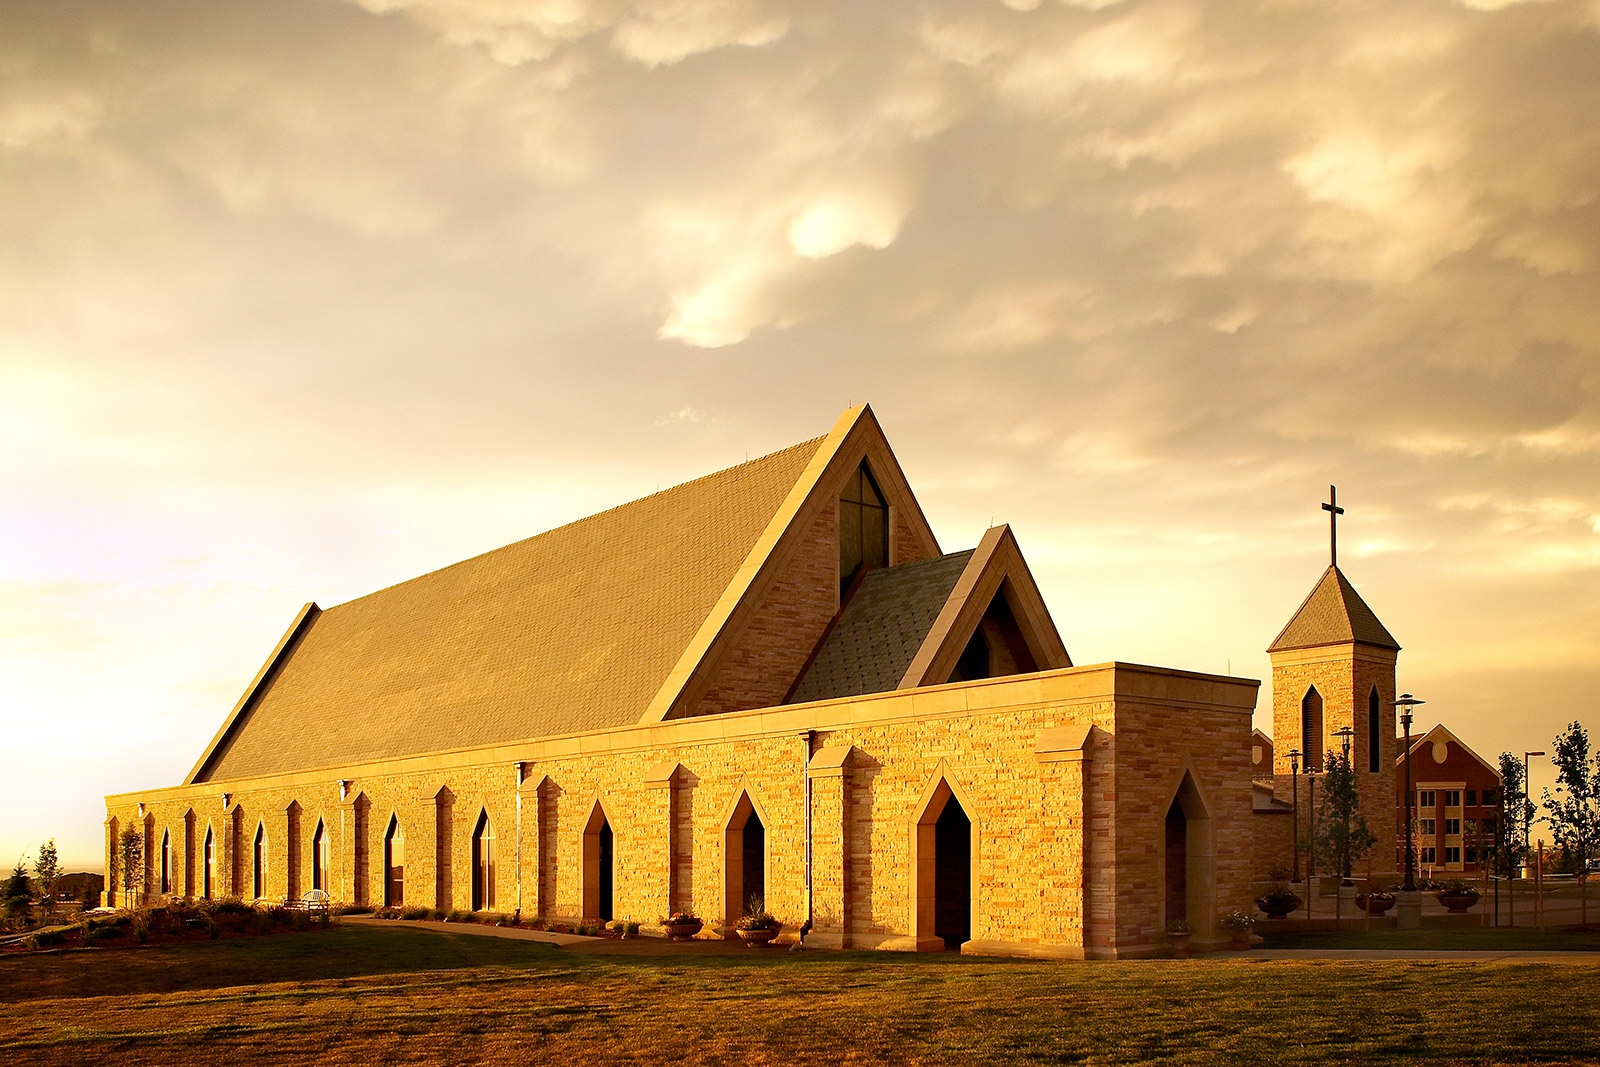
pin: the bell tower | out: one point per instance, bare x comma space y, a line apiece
1333, 666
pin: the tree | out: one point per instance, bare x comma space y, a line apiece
18, 892
1344, 836
1574, 808
1516, 811
45, 873
130, 852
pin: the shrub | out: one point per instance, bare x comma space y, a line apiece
49, 937
413, 914
141, 927
456, 915
1238, 921
356, 909
437, 915
759, 921
630, 930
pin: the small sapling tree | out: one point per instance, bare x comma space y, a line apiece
1516, 811
1574, 808
1344, 836
130, 856
45, 873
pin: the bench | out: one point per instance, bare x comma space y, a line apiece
317, 900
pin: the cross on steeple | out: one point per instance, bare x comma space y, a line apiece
1334, 511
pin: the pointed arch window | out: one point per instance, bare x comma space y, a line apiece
319, 858
166, 861
1374, 734
258, 863
210, 867
1311, 729
863, 527
483, 864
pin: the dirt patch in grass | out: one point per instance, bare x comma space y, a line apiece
361, 996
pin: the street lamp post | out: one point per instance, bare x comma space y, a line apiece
1406, 703
1294, 775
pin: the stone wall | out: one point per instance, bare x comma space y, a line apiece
1067, 834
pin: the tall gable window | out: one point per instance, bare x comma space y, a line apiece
1374, 736
863, 527
1311, 729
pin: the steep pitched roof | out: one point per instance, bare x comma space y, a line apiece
1333, 614
567, 631
881, 629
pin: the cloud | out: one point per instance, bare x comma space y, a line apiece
1141, 278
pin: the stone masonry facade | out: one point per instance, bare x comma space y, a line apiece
1067, 777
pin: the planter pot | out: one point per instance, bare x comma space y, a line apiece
756, 937
1277, 908
1457, 904
1180, 943
1374, 907
1239, 940
683, 931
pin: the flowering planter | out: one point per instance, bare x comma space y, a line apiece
756, 937
1456, 903
683, 931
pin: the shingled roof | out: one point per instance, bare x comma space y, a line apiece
568, 631
881, 629
1333, 614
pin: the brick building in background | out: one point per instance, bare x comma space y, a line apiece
769, 684
1455, 804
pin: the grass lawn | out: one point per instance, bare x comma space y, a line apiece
359, 995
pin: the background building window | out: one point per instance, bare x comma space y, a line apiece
1426, 798
1452, 826
1452, 798
1429, 827
1452, 854
1472, 798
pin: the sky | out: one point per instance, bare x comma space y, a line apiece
300, 299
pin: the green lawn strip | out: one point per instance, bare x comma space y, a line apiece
552, 1007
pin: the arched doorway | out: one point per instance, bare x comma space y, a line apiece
945, 840
744, 861
394, 864
483, 864
166, 861
599, 874
1188, 860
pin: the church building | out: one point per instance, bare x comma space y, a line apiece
768, 687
